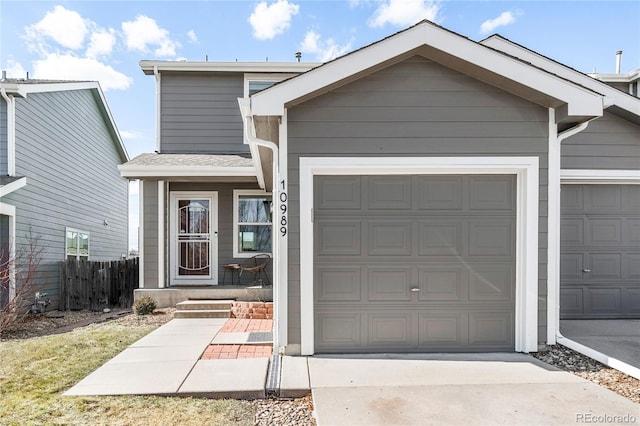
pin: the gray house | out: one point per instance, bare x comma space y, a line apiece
429, 193
59, 152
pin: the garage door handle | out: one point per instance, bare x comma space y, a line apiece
415, 289
586, 270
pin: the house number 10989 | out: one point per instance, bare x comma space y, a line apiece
283, 210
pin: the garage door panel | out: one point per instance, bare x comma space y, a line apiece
443, 329
491, 193
491, 329
572, 301
571, 266
337, 284
440, 193
605, 266
631, 198
338, 329
443, 282
389, 330
572, 231
389, 283
604, 232
440, 237
604, 198
631, 232
604, 301
572, 198
631, 267
489, 238
338, 238
632, 300
338, 193
388, 238
491, 282
389, 193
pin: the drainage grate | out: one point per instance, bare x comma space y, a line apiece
260, 336
272, 387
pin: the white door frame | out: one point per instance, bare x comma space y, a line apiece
526, 171
212, 279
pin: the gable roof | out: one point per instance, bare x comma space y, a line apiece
448, 48
22, 88
620, 103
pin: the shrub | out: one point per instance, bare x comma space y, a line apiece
144, 306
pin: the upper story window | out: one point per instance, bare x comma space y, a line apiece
254, 83
77, 244
251, 222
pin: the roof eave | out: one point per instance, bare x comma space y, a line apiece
192, 66
580, 101
138, 171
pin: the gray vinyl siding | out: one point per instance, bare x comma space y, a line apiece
610, 142
3, 137
64, 148
200, 113
225, 227
414, 108
149, 238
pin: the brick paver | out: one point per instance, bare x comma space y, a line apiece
237, 351
238, 325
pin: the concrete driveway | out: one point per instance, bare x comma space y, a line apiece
478, 389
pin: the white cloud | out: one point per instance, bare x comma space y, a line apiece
324, 50
505, 18
69, 67
192, 36
14, 69
269, 21
129, 134
65, 27
404, 12
144, 33
101, 43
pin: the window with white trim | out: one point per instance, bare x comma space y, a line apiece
252, 222
77, 244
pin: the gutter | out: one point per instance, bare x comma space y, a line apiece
11, 132
158, 126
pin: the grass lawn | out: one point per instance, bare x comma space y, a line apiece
35, 372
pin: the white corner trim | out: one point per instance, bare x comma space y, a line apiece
526, 170
568, 176
161, 240
158, 108
553, 232
10, 211
281, 295
141, 234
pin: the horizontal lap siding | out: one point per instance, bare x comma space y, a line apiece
200, 113
3, 137
413, 108
64, 148
610, 142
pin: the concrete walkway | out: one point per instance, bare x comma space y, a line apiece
514, 389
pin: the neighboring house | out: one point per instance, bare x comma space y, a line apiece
416, 186
59, 152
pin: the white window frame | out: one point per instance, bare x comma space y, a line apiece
276, 78
66, 240
236, 225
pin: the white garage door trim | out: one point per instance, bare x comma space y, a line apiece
526, 170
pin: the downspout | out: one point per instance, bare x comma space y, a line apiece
11, 132
245, 108
554, 185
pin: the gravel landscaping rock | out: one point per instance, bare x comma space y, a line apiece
284, 412
594, 371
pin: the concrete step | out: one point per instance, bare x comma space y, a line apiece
202, 313
203, 305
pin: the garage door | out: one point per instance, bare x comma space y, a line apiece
600, 251
414, 263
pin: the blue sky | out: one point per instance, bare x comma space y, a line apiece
104, 40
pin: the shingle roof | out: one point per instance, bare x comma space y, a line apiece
197, 160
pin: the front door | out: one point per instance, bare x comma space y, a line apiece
194, 232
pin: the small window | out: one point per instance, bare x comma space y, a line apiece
77, 244
252, 212
256, 86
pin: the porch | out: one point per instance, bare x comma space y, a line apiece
170, 297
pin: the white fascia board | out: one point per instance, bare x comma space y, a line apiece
576, 176
580, 101
617, 78
13, 186
112, 123
257, 67
621, 99
184, 171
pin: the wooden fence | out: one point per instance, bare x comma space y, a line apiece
97, 285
